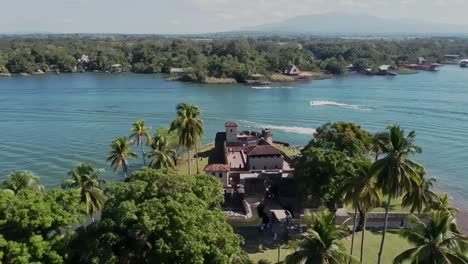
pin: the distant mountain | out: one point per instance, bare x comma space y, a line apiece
343, 23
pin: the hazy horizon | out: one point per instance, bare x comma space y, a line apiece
203, 16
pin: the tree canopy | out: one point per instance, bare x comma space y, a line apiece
160, 217
32, 224
235, 58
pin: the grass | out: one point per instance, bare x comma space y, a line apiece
395, 206
276, 77
261, 245
205, 154
394, 245
290, 151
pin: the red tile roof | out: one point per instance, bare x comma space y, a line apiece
230, 124
264, 150
217, 168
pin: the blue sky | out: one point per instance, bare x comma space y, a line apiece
197, 16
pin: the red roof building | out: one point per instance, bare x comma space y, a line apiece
264, 150
217, 168
231, 124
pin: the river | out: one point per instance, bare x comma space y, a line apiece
50, 123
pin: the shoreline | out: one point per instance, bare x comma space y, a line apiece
273, 78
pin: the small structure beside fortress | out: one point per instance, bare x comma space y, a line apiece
251, 163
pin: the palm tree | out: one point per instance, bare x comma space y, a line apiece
189, 128
442, 203
436, 241
86, 180
162, 155
322, 243
420, 196
396, 173
140, 132
360, 190
376, 149
21, 180
120, 153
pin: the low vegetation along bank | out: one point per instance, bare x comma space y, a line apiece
216, 60
159, 216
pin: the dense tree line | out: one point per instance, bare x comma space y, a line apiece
221, 58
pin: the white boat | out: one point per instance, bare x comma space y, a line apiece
464, 63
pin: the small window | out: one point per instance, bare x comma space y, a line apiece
231, 130
276, 166
264, 167
214, 174
253, 167
220, 175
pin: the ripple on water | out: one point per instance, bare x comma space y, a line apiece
50, 125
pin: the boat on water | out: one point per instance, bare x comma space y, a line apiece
423, 67
464, 63
258, 82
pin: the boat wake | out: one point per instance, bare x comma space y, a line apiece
261, 87
270, 87
288, 129
332, 103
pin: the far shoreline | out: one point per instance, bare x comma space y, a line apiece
314, 76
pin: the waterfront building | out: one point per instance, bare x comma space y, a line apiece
251, 160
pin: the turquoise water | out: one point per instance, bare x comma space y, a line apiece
50, 123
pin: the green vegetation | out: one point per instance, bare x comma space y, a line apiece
86, 180
32, 224
290, 151
20, 180
189, 128
361, 191
140, 133
395, 244
321, 243
325, 161
201, 60
336, 167
205, 154
162, 156
437, 240
158, 217
120, 153
276, 77
396, 173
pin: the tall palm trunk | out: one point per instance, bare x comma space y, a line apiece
361, 220
363, 234
143, 154
125, 167
354, 230
124, 171
196, 156
189, 163
387, 208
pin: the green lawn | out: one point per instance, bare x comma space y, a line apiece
394, 245
204, 155
395, 206
290, 151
